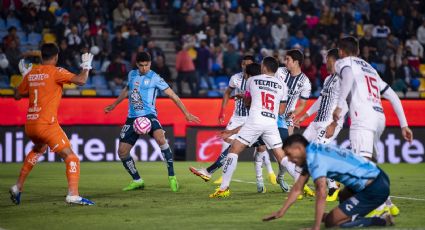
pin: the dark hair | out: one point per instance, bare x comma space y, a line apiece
143, 57
349, 44
271, 63
333, 53
248, 58
49, 50
295, 138
296, 55
253, 69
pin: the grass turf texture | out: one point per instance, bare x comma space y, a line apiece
156, 207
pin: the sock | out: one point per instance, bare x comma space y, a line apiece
258, 161
168, 156
388, 202
219, 162
266, 159
130, 166
332, 184
364, 222
72, 174
381, 207
290, 167
29, 162
224, 146
228, 169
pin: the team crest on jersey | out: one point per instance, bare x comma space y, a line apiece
136, 84
136, 100
146, 82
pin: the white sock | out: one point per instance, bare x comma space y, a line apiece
332, 184
388, 202
290, 167
228, 169
266, 159
258, 161
224, 146
380, 208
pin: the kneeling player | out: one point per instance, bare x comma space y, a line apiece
366, 185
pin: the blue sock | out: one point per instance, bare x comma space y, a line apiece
219, 162
168, 156
364, 222
130, 166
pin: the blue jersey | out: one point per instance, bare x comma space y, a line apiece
142, 92
281, 122
341, 165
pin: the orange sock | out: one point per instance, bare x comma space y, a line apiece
72, 174
29, 162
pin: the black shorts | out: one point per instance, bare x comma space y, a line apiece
370, 198
129, 136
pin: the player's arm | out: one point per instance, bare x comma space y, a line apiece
304, 95
81, 79
226, 97
22, 90
296, 190
321, 194
227, 133
123, 95
282, 107
389, 94
176, 99
346, 85
313, 109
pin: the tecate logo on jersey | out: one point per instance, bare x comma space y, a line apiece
208, 146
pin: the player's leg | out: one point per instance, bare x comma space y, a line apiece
283, 133
128, 138
263, 154
259, 155
29, 162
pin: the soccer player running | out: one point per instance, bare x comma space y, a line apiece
366, 185
267, 93
142, 90
362, 81
261, 154
43, 85
323, 107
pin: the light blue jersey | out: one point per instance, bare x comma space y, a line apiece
341, 165
281, 122
142, 92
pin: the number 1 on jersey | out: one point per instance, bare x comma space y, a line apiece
35, 97
267, 101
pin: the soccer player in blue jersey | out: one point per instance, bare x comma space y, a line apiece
142, 90
366, 185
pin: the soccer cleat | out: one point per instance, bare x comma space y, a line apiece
15, 194
261, 188
218, 181
272, 178
394, 211
78, 200
283, 185
332, 195
174, 185
300, 197
202, 173
135, 185
308, 191
378, 212
220, 193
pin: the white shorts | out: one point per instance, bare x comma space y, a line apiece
365, 142
235, 121
250, 133
316, 131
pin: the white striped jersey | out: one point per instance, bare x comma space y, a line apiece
238, 84
329, 99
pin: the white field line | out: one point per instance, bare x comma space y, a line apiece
395, 197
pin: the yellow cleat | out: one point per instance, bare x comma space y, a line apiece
272, 178
218, 181
220, 193
308, 191
300, 197
394, 211
378, 213
333, 197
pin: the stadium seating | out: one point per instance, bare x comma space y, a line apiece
422, 69
72, 92
7, 92
88, 92
99, 82
34, 39
104, 92
15, 80
69, 86
3, 26
14, 22
221, 82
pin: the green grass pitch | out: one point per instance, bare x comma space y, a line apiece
156, 207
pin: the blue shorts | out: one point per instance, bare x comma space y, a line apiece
129, 136
283, 135
370, 198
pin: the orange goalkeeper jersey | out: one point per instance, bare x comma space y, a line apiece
44, 85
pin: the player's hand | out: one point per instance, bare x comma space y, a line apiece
239, 96
336, 114
298, 121
273, 216
192, 118
86, 60
109, 108
23, 68
290, 115
330, 130
407, 134
221, 117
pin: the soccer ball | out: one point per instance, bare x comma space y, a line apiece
142, 125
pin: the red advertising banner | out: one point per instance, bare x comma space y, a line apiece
89, 111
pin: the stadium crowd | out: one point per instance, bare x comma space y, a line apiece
212, 35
